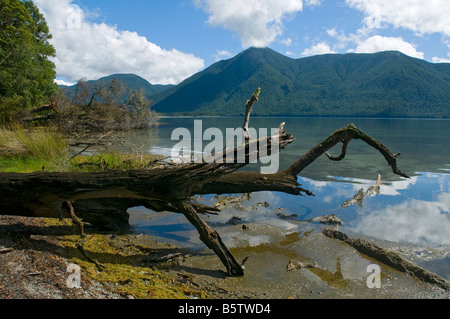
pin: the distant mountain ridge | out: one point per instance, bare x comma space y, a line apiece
131, 81
384, 84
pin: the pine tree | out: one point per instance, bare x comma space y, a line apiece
26, 72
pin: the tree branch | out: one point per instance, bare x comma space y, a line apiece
344, 134
211, 239
248, 109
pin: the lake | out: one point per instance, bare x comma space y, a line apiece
414, 211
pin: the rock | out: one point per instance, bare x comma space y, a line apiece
284, 216
235, 220
293, 265
328, 219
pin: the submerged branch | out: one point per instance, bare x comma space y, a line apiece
388, 257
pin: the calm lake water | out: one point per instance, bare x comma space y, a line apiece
414, 211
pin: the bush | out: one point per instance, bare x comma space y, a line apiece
108, 106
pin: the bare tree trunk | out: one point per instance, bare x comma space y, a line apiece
102, 198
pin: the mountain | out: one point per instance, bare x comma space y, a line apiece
131, 82
385, 84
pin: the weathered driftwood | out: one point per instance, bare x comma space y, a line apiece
388, 257
361, 195
102, 198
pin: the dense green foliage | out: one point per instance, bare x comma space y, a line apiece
385, 84
26, 73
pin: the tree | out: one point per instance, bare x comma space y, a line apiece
26, 73
103, 106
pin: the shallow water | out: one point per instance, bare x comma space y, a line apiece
412, 214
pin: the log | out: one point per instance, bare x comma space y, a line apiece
389, 258
102, 198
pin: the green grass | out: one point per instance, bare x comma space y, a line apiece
21, 165
26, 150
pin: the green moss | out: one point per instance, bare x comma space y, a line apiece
139, 282
123, 271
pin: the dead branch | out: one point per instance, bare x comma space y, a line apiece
91, 144
211, 239
359, 197
99, 265
75, 219
161, 258
102, 198
345, 135
6, 250
44, 108
248, 109
388, 257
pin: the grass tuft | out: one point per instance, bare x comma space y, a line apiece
24, 150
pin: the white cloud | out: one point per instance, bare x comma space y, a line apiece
62, 82
257, 22
378, 43
332, 32
320, 48
440, 60
443, 60
223, 54
90, 50
422, 17
313, 2
415, 221
289, 53
287, 42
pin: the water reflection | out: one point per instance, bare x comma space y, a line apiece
408, 211
405, 209
415, 221
424, 144
415, 210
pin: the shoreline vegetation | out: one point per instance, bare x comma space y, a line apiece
26, 150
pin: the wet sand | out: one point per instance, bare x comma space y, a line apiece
319, 267
331, 269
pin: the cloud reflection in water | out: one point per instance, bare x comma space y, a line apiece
415, 221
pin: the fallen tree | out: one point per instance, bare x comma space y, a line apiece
102, 198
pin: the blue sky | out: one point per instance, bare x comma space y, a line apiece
168, 41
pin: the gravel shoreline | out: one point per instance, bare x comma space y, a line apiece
35, 266
34, 261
